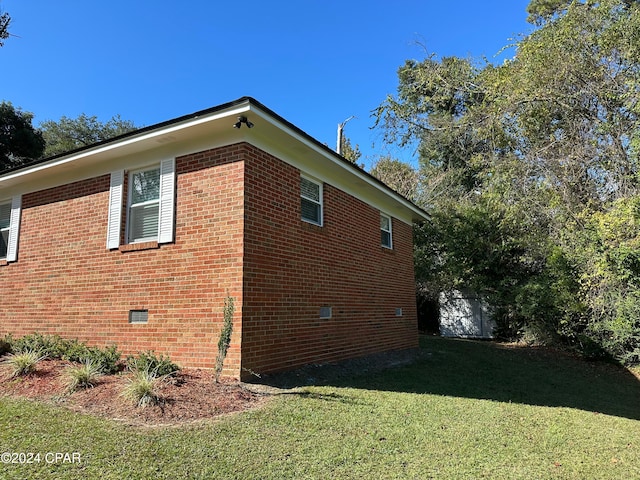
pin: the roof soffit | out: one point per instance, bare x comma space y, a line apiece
214, 127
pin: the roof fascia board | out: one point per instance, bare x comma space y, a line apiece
125, 145
128, 140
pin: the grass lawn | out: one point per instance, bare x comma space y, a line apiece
465, 410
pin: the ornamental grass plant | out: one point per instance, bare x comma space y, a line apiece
142, 388
83, 375
22, 363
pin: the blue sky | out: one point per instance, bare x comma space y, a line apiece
314, 62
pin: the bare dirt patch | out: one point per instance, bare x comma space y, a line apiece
188, 396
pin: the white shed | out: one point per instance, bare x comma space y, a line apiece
464, 314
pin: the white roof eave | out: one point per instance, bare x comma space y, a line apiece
270, 132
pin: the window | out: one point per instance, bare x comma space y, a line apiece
385, 231
9, 228
311, 201
5, 227
150, 205
144, 205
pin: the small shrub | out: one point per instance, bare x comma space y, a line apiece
84, 375
74, 350
535, 335
106, 359
5, 345
51, 346
149, 362
22, 363
225, 335
142, 388
591, 349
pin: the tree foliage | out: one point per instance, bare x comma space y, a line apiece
69, 134
569, 102
533, 169
400, 176
20, 142
5, 20
350, 152
541, 11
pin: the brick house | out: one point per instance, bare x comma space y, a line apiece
139, 240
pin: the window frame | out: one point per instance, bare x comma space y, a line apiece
389, 232
118, 236
318, 203
130, 205
6, 229
15, 212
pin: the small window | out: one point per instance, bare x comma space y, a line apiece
398, 312
5, 226
144, 205
311, 201
385, 231
325, 312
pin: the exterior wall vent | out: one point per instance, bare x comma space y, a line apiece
138, 316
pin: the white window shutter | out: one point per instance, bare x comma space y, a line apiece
167, 200
14, 229
114, 223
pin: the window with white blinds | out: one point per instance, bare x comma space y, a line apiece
311, 201
5, 227
144, 205
9, 228
150, 205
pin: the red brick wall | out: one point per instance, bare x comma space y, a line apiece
292, 268
66, 282
231, 202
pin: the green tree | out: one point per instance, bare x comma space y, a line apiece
569, 104
440, 106
541, 11
69, 134
575, 122
349, 152
400, 176
608, 249
528, 159
5, 20
562, 114
20, 142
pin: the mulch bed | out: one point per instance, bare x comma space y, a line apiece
188, 396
